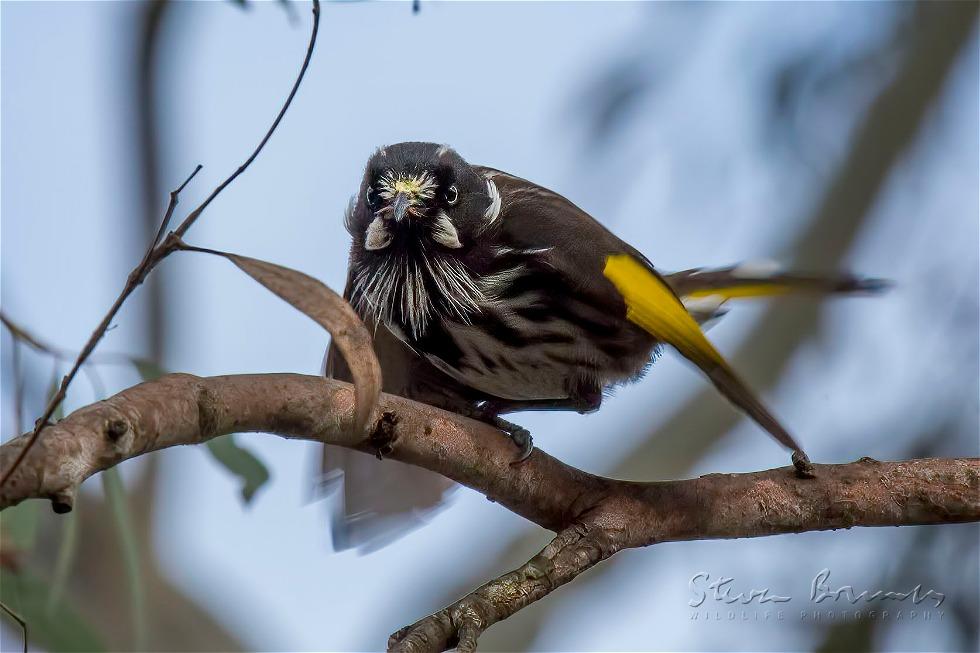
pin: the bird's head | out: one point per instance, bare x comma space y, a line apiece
417, 194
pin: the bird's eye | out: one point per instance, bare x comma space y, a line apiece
452, 195
371, 196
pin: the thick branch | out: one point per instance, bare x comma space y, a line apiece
594, 516
459, 625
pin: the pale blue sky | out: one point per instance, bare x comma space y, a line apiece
690, 182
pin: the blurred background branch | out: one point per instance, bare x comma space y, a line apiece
133, 543
924, 47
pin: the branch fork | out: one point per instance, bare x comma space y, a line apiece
594, 517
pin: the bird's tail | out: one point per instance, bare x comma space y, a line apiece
762, 280
704, 291
666, 307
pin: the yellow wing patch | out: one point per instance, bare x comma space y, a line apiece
652, 305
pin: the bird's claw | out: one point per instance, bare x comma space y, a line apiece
804, 468
520, 436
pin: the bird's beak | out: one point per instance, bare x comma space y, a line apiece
400, 205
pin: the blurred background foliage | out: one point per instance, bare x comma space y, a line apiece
841, 135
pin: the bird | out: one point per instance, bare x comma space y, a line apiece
488, 294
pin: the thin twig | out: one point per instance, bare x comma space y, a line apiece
60, 353
20, 334
135, 279
18, 385
16, 617
189, 220
158, 250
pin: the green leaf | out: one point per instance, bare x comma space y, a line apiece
237, 460
18, 526
241, 462
61, 630
65, 560
116, 498
148, 370
69, 533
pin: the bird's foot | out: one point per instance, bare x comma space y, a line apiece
519, 435
804, 468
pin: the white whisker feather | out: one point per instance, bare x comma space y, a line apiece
492, 211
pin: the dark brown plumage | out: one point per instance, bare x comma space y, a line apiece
488, 294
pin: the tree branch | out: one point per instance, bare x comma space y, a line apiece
593, 516
157, 250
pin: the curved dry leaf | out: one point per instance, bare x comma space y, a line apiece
116, 500
333, 313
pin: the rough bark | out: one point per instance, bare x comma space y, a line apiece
594, 517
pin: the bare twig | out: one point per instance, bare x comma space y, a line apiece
157, 251
60, 354
18, 383
20, 621
193, 216
19, 334
593, 516
144, 77
135, 279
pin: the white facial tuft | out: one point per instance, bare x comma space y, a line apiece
378, 235
492, 211
444, 231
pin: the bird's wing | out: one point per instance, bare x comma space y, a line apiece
652, 304
611, 275
570, 241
